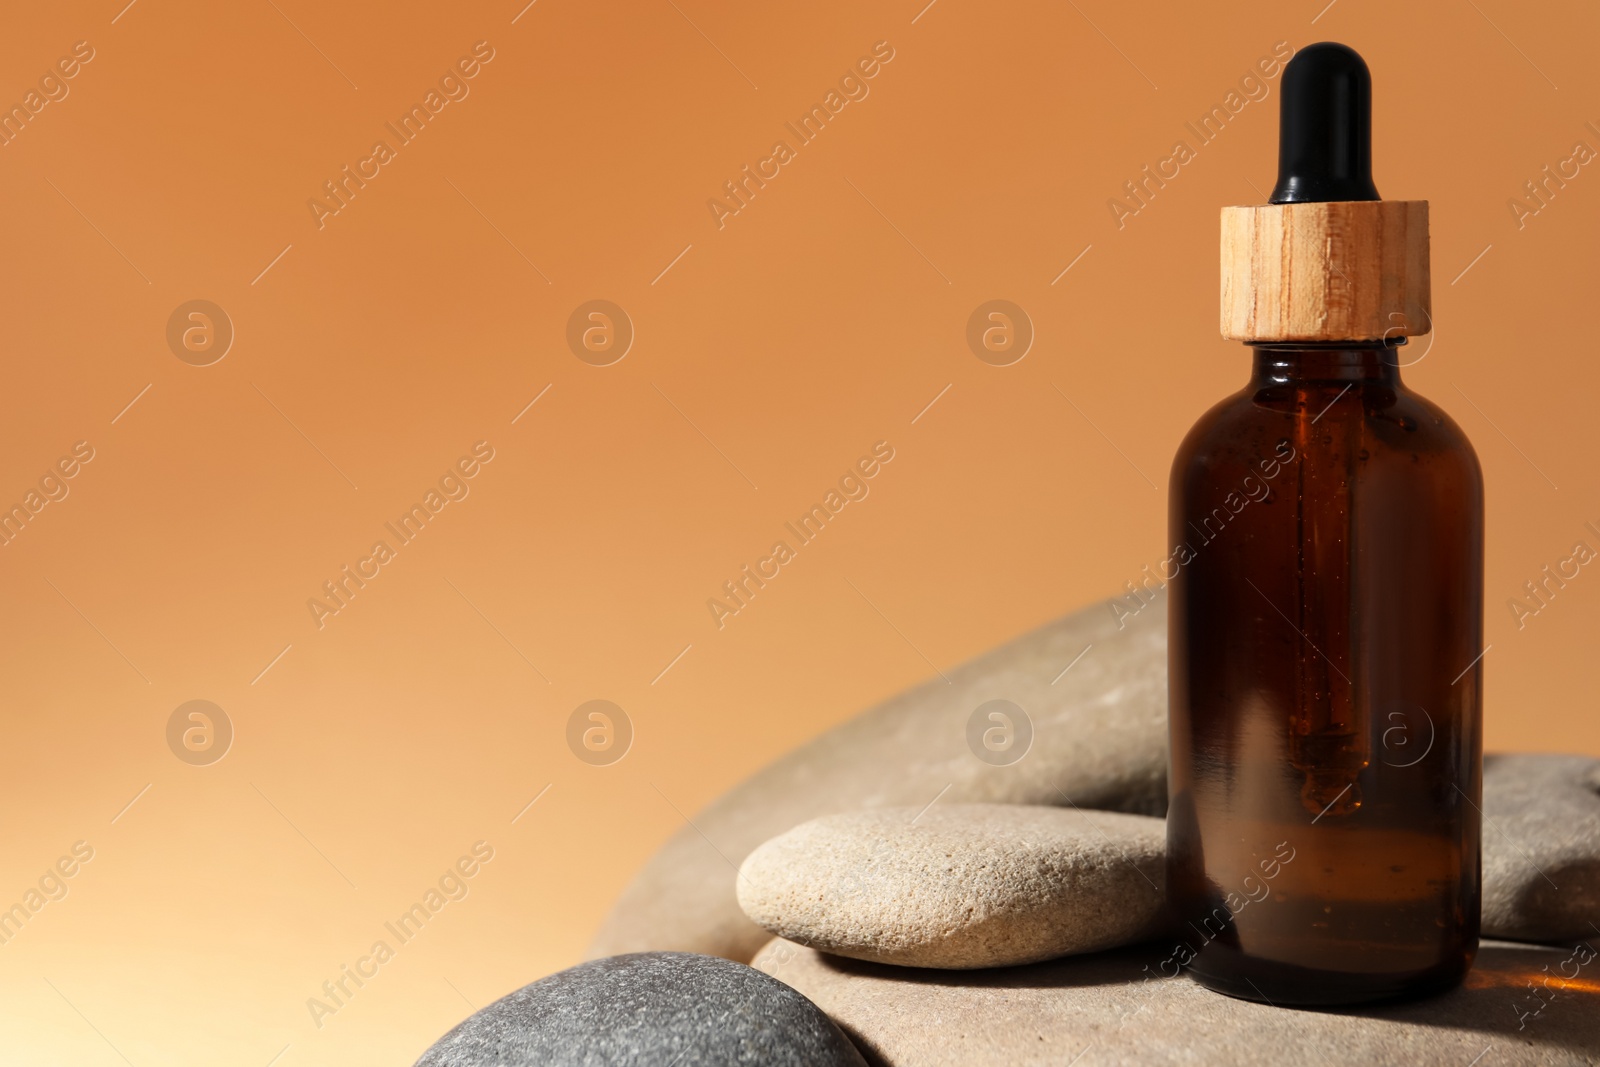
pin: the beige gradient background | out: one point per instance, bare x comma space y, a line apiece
770, 354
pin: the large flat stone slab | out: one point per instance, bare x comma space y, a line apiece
1115, 1008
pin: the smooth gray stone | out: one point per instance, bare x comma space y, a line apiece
1541, 847
653, 1009
1100, 1010
1099, 741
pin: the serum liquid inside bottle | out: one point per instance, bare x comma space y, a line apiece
1326, 615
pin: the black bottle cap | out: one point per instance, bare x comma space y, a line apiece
1325, 127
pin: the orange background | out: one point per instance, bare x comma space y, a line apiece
822, 318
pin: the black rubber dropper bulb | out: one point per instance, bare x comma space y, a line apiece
1325, 127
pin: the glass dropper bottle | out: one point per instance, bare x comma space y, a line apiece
1326, 616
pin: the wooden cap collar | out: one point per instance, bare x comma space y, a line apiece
1335, 271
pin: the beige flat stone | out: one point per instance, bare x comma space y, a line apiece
964, 885
1099, 737
1100, 1010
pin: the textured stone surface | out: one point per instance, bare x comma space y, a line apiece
965, 885
1541, 847
651, 1009
1099, 737
1098, 1010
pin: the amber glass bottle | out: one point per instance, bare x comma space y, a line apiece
1326, 616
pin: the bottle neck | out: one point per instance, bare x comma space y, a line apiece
1310, 363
